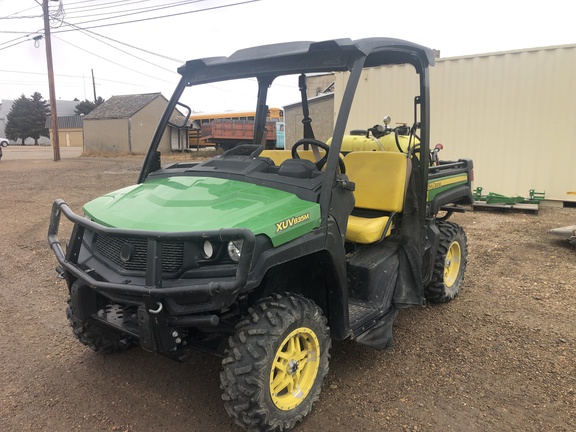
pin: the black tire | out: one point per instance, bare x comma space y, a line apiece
450, 263
4, 143
262, 359
98, 338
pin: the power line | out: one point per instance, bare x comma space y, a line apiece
89, 32
20, 17
57, 75
101, 5
110, 61
12, 40
132, 11
162, 16
81, 1
75, 27
14, 32
128, 22
123, 51
25, 10
77, 85
14, 44
61, 76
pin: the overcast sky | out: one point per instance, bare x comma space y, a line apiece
206, 28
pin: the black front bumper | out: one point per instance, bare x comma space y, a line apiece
182, 296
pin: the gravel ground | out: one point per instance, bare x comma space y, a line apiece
500, 357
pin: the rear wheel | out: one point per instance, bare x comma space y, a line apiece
450, 263
276, 363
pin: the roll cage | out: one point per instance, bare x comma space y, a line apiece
266, 63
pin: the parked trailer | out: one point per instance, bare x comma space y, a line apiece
226, 134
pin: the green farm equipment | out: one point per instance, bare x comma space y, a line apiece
265, 257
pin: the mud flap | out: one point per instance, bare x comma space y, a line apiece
83, 301
146, 330
155, 334
409, 290
380, 335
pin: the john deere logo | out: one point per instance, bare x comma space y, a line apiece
290, 222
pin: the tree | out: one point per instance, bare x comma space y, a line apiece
86, 107
17, 125
27, 118
40, 111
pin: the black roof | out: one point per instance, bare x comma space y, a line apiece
305, 56
66, 122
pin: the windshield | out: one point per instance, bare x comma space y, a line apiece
243, 123
217, 117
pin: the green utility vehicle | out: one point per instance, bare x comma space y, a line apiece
266, 256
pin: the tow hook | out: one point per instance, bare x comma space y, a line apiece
156, 311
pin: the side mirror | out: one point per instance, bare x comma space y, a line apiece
386, 120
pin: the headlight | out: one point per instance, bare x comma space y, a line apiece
207, 250
235, 250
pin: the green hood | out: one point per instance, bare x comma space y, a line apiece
180, 204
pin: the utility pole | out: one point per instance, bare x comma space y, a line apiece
94, 86
53, 111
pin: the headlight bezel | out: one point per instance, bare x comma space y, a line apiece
208, 250
234, 249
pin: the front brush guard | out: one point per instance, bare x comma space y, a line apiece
153, 286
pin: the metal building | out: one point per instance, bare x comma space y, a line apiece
125, 124
70, 132
511, 112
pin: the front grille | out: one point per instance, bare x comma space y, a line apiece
111, 248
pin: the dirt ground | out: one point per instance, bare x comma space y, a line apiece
500, 357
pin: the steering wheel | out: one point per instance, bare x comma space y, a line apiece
319, 164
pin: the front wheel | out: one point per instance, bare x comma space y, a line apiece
276, 363
450, 263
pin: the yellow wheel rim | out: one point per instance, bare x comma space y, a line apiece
294, 368
452, 264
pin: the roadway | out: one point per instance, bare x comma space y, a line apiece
17, 152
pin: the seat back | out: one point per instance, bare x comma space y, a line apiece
381, 179
279, 156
